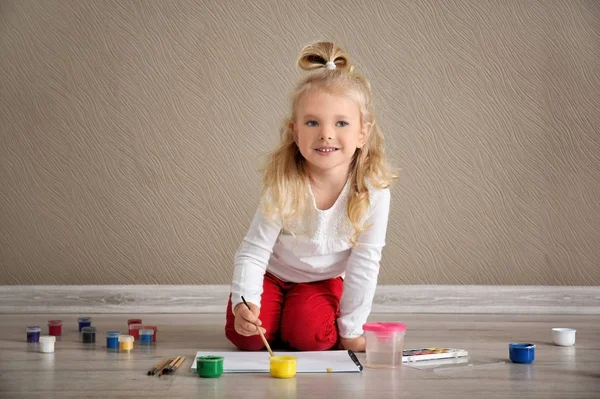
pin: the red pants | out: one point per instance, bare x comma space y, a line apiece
298, 316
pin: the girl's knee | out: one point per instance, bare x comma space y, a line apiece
310, 333
302, 342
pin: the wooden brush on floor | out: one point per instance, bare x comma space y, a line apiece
175, 367
167, 366
159, 366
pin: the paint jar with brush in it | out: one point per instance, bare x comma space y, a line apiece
55, 327
84, 322
112, 339
88, 335
33, 334
47, 343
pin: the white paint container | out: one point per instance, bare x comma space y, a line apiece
47, 343
563, 336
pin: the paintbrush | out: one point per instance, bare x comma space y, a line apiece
259, 331
177, 365
159, 366
165, 367
170, 367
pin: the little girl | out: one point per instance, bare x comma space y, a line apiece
309, 263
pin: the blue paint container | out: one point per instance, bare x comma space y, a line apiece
146, 336
33, 334
112, 339
521, 352
84, 322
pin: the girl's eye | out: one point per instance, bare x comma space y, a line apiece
341, 124
311, 123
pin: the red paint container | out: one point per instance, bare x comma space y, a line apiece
55, 327
155, 331
134, 321
134, 330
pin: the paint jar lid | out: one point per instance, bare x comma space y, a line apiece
84, 319
151, 328
112, 334
217, 359
521, 346
134, 321
55, 322
146, 332
47, 338
135, 326
384, 327
126, 338
88, 330
563, 330
34, 329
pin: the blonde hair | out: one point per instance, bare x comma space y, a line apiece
285, 175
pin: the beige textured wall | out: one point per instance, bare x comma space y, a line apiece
130, 133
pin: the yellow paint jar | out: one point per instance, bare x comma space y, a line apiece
126, 342
283, 366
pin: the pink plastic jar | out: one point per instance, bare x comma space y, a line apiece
385, 342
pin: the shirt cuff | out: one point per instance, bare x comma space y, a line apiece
236, 299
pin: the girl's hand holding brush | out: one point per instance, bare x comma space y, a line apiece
247, 322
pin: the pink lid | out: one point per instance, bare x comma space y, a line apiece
384, 326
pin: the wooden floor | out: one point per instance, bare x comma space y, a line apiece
82, 370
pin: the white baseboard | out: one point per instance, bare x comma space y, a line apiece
465, 299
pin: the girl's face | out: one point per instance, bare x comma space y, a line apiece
328, 130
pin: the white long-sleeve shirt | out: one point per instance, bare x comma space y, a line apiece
321, 251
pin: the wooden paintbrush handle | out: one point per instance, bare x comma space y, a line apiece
159, 366
259, 331
179, 363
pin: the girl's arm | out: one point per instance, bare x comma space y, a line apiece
251, 260
363, 268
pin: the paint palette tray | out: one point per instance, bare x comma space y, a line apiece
429, 354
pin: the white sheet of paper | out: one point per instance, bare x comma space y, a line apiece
307, 362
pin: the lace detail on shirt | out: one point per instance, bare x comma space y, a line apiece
332, 223
323, 225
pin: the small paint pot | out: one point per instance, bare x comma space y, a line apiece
209, 366
155, 329
521, 352
146, 336
55, 327
126, 342
134, 330
47, 343
88, 335
84, 322
33, 334
563, 336
133, 321
283, 366
112, 339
